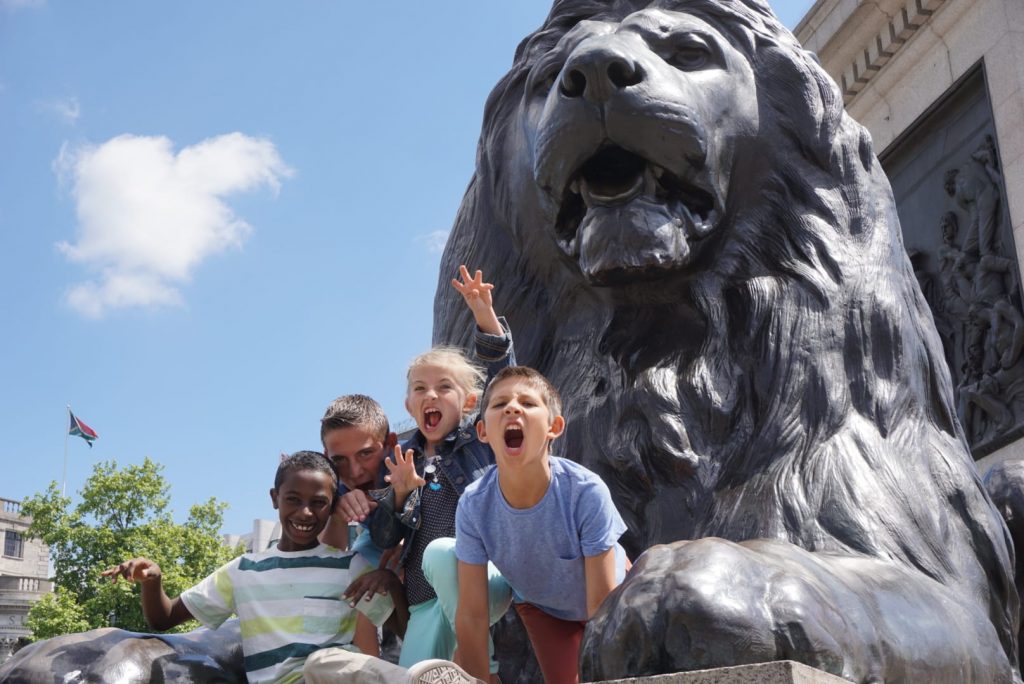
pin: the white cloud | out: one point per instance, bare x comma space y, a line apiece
147, 217
434, 241
67, 109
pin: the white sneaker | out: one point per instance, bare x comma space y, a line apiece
440, 672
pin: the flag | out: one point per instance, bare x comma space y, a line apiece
80, 429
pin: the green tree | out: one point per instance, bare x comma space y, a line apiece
123, 514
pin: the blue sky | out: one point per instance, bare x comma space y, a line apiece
215, 217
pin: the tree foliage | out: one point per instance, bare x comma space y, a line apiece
123, 513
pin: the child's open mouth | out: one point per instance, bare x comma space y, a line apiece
304, 529
431, 418
514, 437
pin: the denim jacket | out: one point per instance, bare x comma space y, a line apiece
461, 456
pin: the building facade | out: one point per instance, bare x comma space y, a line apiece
24, 567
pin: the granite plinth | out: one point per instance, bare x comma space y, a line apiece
779, 672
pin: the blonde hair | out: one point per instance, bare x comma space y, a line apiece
465, 373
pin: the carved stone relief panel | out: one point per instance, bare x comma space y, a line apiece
947, 181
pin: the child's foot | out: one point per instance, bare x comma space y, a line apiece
440, 672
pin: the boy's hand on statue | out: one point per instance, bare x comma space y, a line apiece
403, 476
478, 297
354, 506
136, 570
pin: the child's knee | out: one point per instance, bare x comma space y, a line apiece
439, 560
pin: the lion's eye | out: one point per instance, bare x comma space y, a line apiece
690, 54
543, 80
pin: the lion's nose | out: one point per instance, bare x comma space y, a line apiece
597, 69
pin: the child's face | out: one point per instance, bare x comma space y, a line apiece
436, 402
357, 453
518, 424
303, 503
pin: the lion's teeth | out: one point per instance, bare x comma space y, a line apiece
574, 186
658, 171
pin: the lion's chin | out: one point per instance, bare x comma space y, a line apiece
640, 240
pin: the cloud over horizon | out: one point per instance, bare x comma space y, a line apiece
147, 216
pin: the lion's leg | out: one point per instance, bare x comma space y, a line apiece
712, 603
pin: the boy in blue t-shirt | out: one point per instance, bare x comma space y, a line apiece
548, 524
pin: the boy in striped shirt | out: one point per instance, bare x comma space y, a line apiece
289, 599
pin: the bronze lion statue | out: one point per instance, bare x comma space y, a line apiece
697, 244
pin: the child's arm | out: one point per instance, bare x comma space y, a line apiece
365, 638
599, 572
493, 339
336, 532
471, 627
161, 612
477, 295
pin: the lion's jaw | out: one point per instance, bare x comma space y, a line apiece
635, 129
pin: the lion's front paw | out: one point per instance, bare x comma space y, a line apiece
712, 603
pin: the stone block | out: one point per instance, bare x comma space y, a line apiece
1013, 177
780, 672
1009, 133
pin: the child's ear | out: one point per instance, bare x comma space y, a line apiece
471, 400
390, 441
557, 427
273, 497
481, 431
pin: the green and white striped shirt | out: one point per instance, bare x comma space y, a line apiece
288, 603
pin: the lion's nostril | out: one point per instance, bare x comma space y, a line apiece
573, 83
623, 74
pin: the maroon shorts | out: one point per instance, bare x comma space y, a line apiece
555, 642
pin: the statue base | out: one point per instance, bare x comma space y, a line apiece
779, 672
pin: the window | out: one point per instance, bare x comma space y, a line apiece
13, 544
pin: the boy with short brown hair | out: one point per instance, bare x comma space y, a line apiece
547, 523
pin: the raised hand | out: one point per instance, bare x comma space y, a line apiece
477, 295
402, 473
134, 570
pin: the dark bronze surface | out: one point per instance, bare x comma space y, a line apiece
698, 245
114, 656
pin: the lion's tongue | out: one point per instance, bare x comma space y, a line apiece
638, 236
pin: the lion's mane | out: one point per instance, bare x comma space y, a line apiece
794, 387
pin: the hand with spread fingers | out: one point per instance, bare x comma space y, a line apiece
402, 473
478, 297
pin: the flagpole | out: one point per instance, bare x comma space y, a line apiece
64, 477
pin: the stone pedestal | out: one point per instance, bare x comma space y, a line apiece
780, 672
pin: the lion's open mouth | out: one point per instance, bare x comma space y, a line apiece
616, 189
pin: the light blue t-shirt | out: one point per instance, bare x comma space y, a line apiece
540, 550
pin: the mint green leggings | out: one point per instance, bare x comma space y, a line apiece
431, 629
